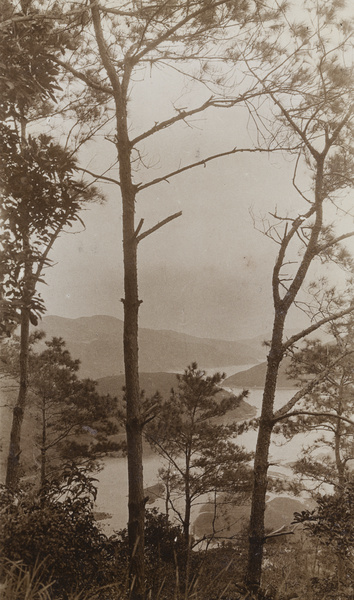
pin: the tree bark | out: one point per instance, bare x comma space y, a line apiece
43, 447
131, 303
187, 503
13, 460
187, 542
260, 480
134, 424
340, 464
131, 361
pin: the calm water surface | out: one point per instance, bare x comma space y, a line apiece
113, 484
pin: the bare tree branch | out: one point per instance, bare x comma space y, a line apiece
100, 87
157, 226
141, 223
96, 176
278, 533
294, 125
203, 162
183, 114
43, 258
283, 412
297, 413
340, 238
298, 336
340, 126
118, 12
288, 235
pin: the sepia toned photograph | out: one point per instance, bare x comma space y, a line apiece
176, 300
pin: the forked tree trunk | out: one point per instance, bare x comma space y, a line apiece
276, 355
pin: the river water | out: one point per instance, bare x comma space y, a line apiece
112, 480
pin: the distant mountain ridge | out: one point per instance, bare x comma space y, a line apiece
98, 342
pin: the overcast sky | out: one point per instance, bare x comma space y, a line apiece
207, 273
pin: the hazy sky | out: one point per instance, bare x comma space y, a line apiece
207, 273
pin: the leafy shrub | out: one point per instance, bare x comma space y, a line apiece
164, 546
59, 530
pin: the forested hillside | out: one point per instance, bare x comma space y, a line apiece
163, 383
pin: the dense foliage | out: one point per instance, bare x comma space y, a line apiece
59, 529
40, 195
56, 536
331, 524
72, 421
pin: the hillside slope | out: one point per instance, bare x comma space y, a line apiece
98, 342
255, 377
163, 382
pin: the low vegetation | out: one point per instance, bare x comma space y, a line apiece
54, 548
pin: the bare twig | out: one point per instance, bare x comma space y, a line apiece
203, 162
157, 226
100, 87
96, 176
305, 332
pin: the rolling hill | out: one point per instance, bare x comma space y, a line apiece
163, 382
255, 377
97, 342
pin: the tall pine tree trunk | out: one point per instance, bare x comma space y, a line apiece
340, 464
136, 505
134, 427
133, 420
13, 460
260, 481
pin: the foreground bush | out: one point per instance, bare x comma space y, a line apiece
58, 529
